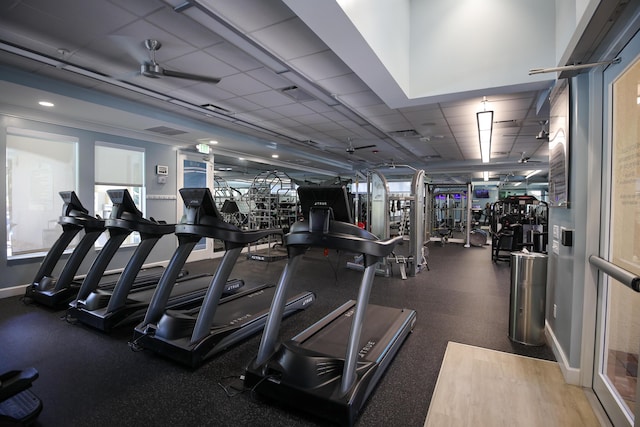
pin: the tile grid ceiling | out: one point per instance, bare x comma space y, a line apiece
259, 48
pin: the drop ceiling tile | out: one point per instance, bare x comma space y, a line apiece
92, 20
181, 26
265, 114
433, 115
251, 15
390, 122
233, 56
284, 123
319, 66
269, 78
361, 99
128, 39
204, 93
289, 39
239, 105
327, 126
319, 107
242, 84
376, 110
200, 63
344, 84
293, 110
270, 99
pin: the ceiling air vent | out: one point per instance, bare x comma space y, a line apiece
297, 94
405, 133
164, 130
216, 108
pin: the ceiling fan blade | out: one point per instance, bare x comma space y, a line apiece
187, 76
364, 146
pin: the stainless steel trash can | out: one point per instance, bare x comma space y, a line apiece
528, 293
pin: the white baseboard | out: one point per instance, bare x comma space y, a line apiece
571, 375
12, 291
20, 289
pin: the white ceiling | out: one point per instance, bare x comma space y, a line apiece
85, 56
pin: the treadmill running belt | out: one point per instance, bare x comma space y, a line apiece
332, 339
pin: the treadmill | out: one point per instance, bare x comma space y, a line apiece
107, 307
192, 335
57, 293
332, 367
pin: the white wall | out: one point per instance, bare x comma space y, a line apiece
467, 45
385, 25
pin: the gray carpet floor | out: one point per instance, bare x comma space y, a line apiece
89, 378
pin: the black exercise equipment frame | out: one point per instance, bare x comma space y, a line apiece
329, 385
57, 293
191, 336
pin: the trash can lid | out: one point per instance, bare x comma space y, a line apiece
528, 254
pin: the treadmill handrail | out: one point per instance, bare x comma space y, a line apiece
333, 235
341, 235
141, 225
218, 231
202, 218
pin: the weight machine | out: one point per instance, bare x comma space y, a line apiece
518, 222
408, 213
450, 213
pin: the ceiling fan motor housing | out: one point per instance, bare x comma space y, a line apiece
151, 70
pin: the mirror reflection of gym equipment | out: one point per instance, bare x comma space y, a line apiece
518, 222
230, 203
273, 203
387, 214
455, 216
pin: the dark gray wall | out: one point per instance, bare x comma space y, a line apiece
21, 271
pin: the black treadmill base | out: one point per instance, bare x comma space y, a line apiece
323, 399
53, 299
107, 321
134, 310
194, 355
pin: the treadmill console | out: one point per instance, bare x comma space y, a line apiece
122, 204
199, 205
71, 203
336, 198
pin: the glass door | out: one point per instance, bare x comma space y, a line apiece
195, 171
618, 328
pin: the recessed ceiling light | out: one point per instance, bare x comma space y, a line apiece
275, 156
213, 141
46, 103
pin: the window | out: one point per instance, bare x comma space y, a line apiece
119, 167
38, 166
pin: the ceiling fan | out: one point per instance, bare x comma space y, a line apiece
153, 70
351, 149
